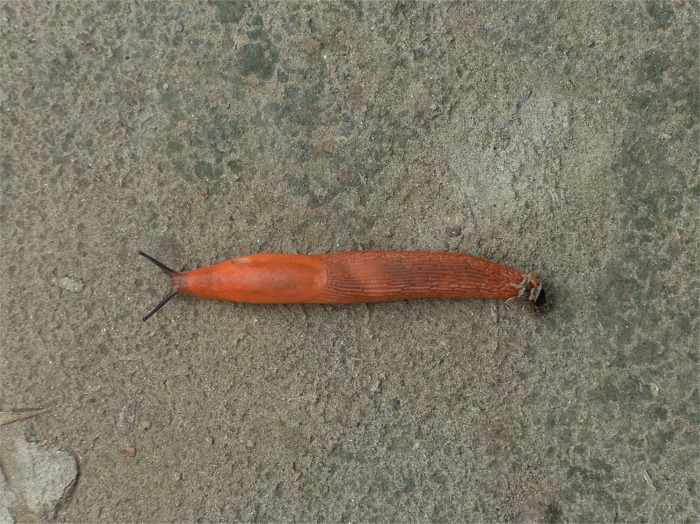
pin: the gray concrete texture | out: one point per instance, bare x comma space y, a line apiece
555, 137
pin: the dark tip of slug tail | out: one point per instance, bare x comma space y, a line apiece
171, 273
541, 300
538, 296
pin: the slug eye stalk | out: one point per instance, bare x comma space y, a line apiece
171, 273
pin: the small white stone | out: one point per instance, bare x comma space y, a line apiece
70, 284
42, 475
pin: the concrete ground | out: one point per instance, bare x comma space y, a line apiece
555, 137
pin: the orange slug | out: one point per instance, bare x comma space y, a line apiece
351, 277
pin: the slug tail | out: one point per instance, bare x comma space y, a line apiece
175, 277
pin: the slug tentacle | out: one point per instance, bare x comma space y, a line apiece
172, 293
174, 277
170, 272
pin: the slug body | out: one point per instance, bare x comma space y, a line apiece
352, 277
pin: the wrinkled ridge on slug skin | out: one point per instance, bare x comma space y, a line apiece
379, 276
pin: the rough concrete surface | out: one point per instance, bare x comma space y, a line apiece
556, 137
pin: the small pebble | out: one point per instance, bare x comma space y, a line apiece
453, 232
43, 475
69, 284
128, 451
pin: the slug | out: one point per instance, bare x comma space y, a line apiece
351, 277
